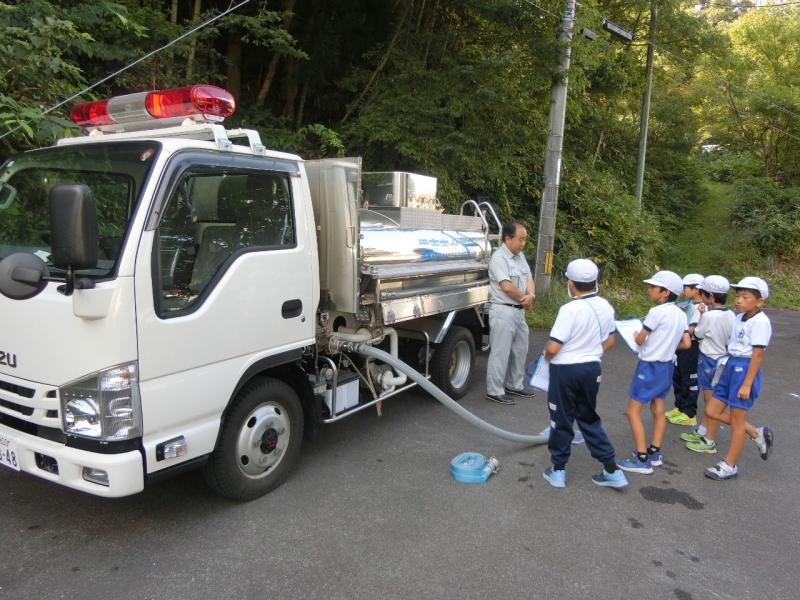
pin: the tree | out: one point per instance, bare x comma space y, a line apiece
752, 97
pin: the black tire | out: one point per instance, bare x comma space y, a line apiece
265, 418
453, 363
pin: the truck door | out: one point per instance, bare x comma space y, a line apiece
227, 281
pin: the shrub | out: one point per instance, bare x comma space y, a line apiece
768, 216
599, 219
725, 166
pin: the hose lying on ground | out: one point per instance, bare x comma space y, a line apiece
367, 350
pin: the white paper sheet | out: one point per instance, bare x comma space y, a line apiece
627, 329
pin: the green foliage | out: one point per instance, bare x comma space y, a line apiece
599, 219
311, 141
435, 107
673, 187
628, 295
45, 49
33, 40
546, 305
32, 127
768, 216
750, 92
725, 166
707, 242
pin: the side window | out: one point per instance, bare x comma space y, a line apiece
210, 219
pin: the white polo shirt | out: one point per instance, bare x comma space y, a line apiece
666, 324
747, 334
581, 327
694, 318
714, 331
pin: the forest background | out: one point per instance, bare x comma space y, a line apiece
460, 89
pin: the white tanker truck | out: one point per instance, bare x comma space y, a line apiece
172, 299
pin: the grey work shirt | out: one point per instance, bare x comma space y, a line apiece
504, 265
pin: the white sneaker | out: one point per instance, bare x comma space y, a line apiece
764, 441
721, 471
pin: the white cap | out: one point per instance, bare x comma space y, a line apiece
693, 279
668, 280
715, 284
753, 283
582, 270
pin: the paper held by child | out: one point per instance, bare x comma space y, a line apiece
627, 330
539, 378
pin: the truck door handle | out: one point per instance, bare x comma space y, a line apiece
291, 309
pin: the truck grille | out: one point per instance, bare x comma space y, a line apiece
37, 406
23, 410
19, 390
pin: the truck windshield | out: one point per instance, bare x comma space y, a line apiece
114, 172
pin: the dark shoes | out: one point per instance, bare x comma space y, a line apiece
525, 392
501, 399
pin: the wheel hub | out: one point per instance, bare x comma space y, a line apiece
262, 439
460, 364
269, 441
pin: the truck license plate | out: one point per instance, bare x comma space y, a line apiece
8, 453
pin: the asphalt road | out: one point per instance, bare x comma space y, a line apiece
370, 511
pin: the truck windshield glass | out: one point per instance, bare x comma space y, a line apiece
114, 172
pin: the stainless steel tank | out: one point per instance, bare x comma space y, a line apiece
385, 246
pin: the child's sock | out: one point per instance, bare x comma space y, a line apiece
642, 456
653, 449
708, 441
610, 467
701, 430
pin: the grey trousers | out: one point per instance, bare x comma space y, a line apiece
508, 338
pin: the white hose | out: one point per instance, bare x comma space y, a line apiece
350, 335
367, 350
389, 380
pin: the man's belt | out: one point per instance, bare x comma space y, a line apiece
506, 304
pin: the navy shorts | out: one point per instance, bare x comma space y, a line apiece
732, 379
651, 380
705, 371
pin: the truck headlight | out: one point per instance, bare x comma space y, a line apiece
104, 406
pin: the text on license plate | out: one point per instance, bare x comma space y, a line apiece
8, 453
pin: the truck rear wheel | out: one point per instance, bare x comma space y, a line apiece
261, 437
453, 363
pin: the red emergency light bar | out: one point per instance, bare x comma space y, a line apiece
156, 109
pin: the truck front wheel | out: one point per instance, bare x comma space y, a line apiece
453, 362
261, 436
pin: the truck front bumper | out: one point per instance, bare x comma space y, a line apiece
125, 471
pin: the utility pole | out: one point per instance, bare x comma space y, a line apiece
651, 38
552, 156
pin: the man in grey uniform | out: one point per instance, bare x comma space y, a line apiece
511, 293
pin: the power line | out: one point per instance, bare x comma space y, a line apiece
688, 85
719, 78
544, 10
752, 6
134, 63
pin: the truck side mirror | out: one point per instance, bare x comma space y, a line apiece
74, 235
74, 245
